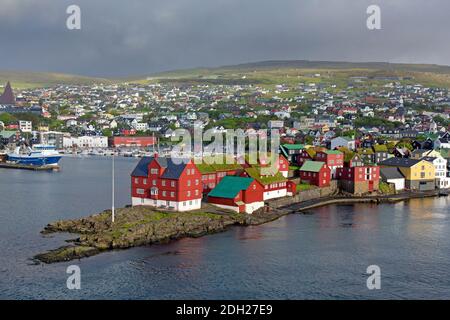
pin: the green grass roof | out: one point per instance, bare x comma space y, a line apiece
333, 152
445, 153
216, 167
255, 173
294, 146
380, 148
365, 151
230, 186
312, 166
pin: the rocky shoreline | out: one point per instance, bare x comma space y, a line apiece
141, 226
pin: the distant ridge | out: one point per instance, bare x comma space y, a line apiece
23, 79
307, 64
20, 79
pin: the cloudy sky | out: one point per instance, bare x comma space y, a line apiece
138, 37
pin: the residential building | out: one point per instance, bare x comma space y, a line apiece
440, 167
85, 142
356, 177
419, 174
52, 138
393, 176
167, 183
315, 173
239, 194
275, 185
290, 151
26, 126
213, 173
333, 159
346, 142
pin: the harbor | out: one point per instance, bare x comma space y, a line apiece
295, 243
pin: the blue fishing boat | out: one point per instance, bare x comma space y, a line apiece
39, 155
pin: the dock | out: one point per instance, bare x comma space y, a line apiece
8, 165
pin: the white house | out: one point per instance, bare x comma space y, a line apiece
342, 142
85, 142
443, 142
440, 166
140, 126
25, 126
393, 176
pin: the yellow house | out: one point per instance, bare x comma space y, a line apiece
419, 174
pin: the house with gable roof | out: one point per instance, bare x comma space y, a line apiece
166, 183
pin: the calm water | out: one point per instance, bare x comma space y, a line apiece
320, 255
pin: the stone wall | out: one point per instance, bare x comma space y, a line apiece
306, 195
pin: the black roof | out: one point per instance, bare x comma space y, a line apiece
391, 173
399, 162
173, 167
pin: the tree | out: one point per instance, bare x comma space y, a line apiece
107, 133
7, 118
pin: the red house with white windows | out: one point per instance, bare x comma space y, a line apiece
305, 155
358, 178
239, 194
212, 174
281, 165
333, 158
166, 183
316, 173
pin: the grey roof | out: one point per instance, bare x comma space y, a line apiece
141, 169
420, 151
399, 162
173, 167
391, 173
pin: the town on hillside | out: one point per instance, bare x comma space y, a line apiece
358, 139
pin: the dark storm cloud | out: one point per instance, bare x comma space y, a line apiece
144, 36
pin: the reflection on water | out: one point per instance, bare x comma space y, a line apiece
302, 256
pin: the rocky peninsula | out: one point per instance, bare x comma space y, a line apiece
139, 226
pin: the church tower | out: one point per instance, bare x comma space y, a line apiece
8, 96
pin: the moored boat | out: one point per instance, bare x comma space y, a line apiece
39, 155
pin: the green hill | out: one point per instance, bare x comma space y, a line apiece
258, 73
276, 72
20, 80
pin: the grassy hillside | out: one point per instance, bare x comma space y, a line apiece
259, 73
293, 72
22, 80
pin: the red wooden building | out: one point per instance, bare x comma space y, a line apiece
239, 194
212, 174
137, 142
166, 183
358, 178
315, 173
333, 158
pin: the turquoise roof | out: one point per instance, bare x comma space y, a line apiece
230, 186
